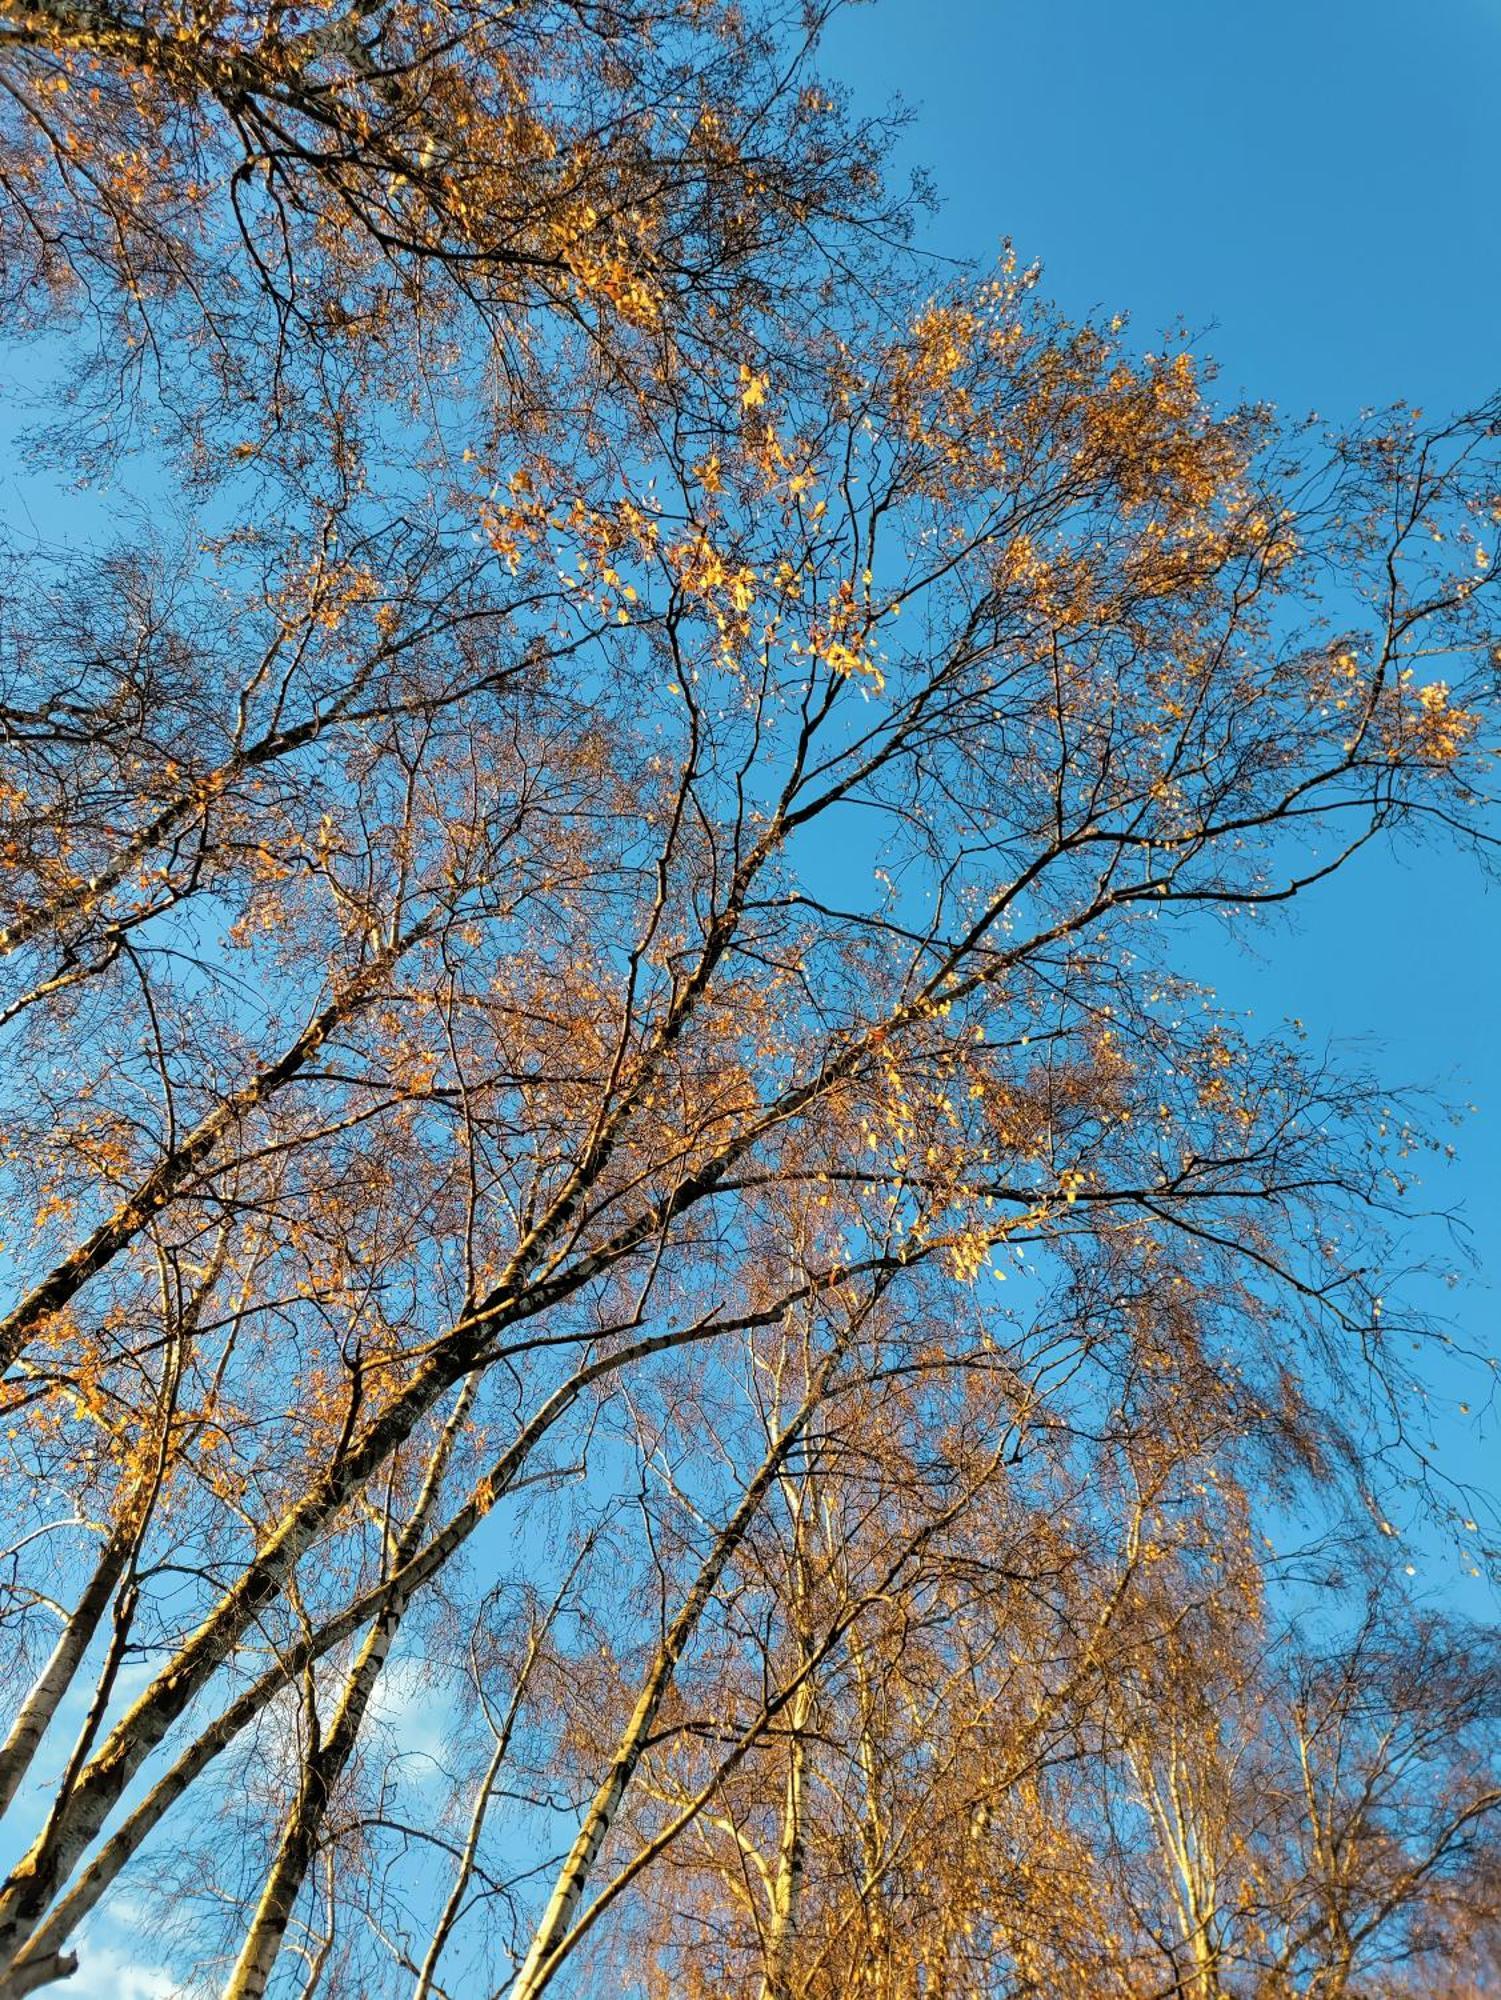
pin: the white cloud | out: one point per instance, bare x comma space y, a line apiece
416, 1712
107, 1973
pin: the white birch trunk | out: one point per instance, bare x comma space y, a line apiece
550, 1940
326, 1761
52, 1683
35, 1939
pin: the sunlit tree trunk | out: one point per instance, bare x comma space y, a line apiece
787, 1879
328, 1753
550, 1938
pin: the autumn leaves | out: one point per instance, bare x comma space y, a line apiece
597, 1100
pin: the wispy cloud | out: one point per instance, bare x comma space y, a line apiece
106, 1972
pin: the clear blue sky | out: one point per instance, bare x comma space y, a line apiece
1310, 186
1317, 178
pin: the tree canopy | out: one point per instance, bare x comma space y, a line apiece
650, 1335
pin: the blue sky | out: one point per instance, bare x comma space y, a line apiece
1315, 178
1307, 186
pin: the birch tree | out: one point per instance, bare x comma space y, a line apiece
591, 901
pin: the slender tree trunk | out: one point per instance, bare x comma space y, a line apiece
787, 1886
872, 1831
26, 1900
300, 1833
549, 1942
327, 1758
118, 1556
53, 1682
465, 1869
